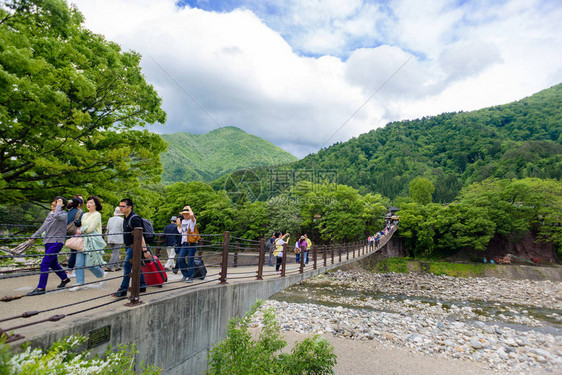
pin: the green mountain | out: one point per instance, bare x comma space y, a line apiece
515, 140
205, 157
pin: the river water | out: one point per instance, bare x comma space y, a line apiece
510, 326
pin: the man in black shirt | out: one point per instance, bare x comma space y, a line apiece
130, 222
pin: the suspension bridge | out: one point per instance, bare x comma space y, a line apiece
173, 326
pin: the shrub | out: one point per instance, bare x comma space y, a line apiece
61, 359
239, 354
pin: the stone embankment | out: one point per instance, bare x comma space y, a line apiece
498, 325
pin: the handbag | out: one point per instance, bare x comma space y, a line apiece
193, 237
75, 243
71, 228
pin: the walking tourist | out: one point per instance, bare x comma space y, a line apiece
270, 246
308, 247
92, 256
278, 252
303, 246
74, 215
130, 222
170, 239
177, 245
115, 239
189, 238
54, 227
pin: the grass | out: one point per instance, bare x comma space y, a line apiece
406, 265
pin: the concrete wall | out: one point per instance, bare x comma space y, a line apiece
175, 330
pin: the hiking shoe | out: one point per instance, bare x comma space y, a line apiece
189, 281
36, 292
142, 289
63, 283
120, 293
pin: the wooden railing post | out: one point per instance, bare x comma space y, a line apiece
134, 298
332, 246
347, 251
284, 262
354, 248
324, 255
339, 251
314, 256
224, 263
261, 259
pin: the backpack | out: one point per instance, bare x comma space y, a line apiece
269, 245
147, 230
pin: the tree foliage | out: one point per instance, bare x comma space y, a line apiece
421, 189
483, 210
71, 104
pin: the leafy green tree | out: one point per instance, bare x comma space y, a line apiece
485, 209
213, 210
421, 189
338, 212
71, 104
517, 206
251, 220
284, 215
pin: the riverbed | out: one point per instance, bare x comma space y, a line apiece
500, 326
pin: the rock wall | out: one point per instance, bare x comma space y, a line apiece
526, 247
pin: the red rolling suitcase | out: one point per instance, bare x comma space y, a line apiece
153, 271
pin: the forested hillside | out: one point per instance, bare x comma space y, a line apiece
515, 140
205, 157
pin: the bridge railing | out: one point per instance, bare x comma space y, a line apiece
227, 258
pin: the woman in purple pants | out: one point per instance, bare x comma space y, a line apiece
54, 227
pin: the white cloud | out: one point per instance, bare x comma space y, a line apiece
294, 77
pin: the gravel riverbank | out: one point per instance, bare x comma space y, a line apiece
501, 326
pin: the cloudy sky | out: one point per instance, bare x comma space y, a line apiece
304, 74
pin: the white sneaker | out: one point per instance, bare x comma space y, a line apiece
77, 288
72, 274
103, 279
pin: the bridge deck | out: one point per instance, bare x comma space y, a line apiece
96, 299
101, 294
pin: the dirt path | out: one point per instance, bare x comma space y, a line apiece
368, 357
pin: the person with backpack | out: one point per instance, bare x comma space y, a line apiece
189, 238
130, 222
270, 247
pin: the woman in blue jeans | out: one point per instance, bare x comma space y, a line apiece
188, 244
